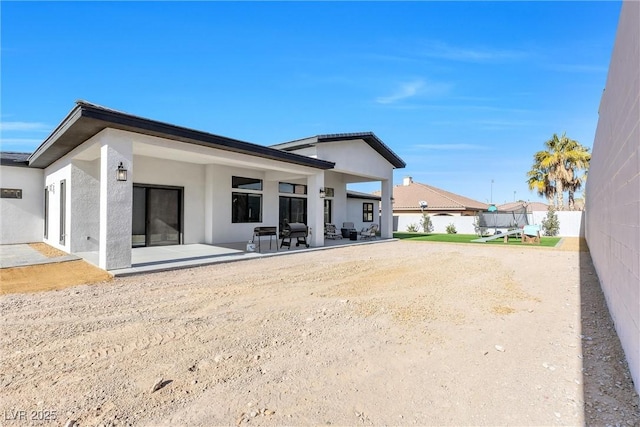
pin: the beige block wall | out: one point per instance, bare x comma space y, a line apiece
613, 188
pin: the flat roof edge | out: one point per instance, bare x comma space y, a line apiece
123, 121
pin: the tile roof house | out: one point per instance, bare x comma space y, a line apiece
408, 195
531, 206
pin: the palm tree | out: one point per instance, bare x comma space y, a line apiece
577, 158
539, 180
554, 169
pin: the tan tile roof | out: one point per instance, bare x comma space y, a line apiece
408, 197
531, 206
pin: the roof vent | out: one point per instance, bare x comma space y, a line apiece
407, 180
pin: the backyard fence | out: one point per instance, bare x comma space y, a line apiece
571, 222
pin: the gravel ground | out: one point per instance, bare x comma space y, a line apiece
396, 333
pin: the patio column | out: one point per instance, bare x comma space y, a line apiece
116, 204
386, 219
315, 209
208, 204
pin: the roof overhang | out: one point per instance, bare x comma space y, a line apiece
368, 137
365, 196
87, 120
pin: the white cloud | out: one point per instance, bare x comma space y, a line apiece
577, 68
451, 147
414, 88
23, 126
19, 141
444, 51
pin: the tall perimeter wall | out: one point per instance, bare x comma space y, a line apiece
613, 188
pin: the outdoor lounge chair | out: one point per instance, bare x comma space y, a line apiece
369, 232
531, 234
331, 232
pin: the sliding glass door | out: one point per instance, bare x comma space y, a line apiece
157, 216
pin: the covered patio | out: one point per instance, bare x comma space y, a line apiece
163, 258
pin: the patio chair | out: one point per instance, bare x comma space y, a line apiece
531, 234
331, 232
369, 232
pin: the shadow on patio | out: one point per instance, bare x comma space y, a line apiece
163, 258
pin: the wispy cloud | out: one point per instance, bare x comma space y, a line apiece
503, 124
577, 68
414, 88
442, 50
23, 126
451, 147
19, 141
406, 90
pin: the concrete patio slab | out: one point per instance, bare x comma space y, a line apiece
21, 255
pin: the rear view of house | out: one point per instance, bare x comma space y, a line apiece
105, 182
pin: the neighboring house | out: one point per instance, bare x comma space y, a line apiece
105, 181
439, 203
407, 198
531, 206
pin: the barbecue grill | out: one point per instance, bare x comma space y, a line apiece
295, 230
265, 231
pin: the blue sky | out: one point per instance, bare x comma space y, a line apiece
464, 92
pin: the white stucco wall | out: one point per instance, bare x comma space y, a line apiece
356, 157
613, 188
354, 213
224, 231
53, 176
85, 200
339, 199
21, 220
149, 170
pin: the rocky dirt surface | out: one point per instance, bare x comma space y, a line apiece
396, 333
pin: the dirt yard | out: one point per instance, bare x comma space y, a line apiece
47, 277
398, 333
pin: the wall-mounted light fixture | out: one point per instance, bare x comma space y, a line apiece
121, 173
322, 192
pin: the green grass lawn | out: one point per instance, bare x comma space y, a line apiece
467, 238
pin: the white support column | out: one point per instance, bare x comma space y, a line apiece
315, 209
386, 219
116, 205
208, 204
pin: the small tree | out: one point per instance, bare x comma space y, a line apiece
451, 229
412, 228
551, 224
427, 226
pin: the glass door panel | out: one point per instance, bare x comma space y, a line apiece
163, 217
139, 223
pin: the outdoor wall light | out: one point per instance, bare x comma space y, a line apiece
322, 192
121, 173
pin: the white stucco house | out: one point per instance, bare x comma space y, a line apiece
106, 181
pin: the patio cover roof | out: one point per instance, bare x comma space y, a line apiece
9, 158
86, 120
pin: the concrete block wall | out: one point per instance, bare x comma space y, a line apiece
613, 188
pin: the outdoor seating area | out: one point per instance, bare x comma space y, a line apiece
370, 232
330, 232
